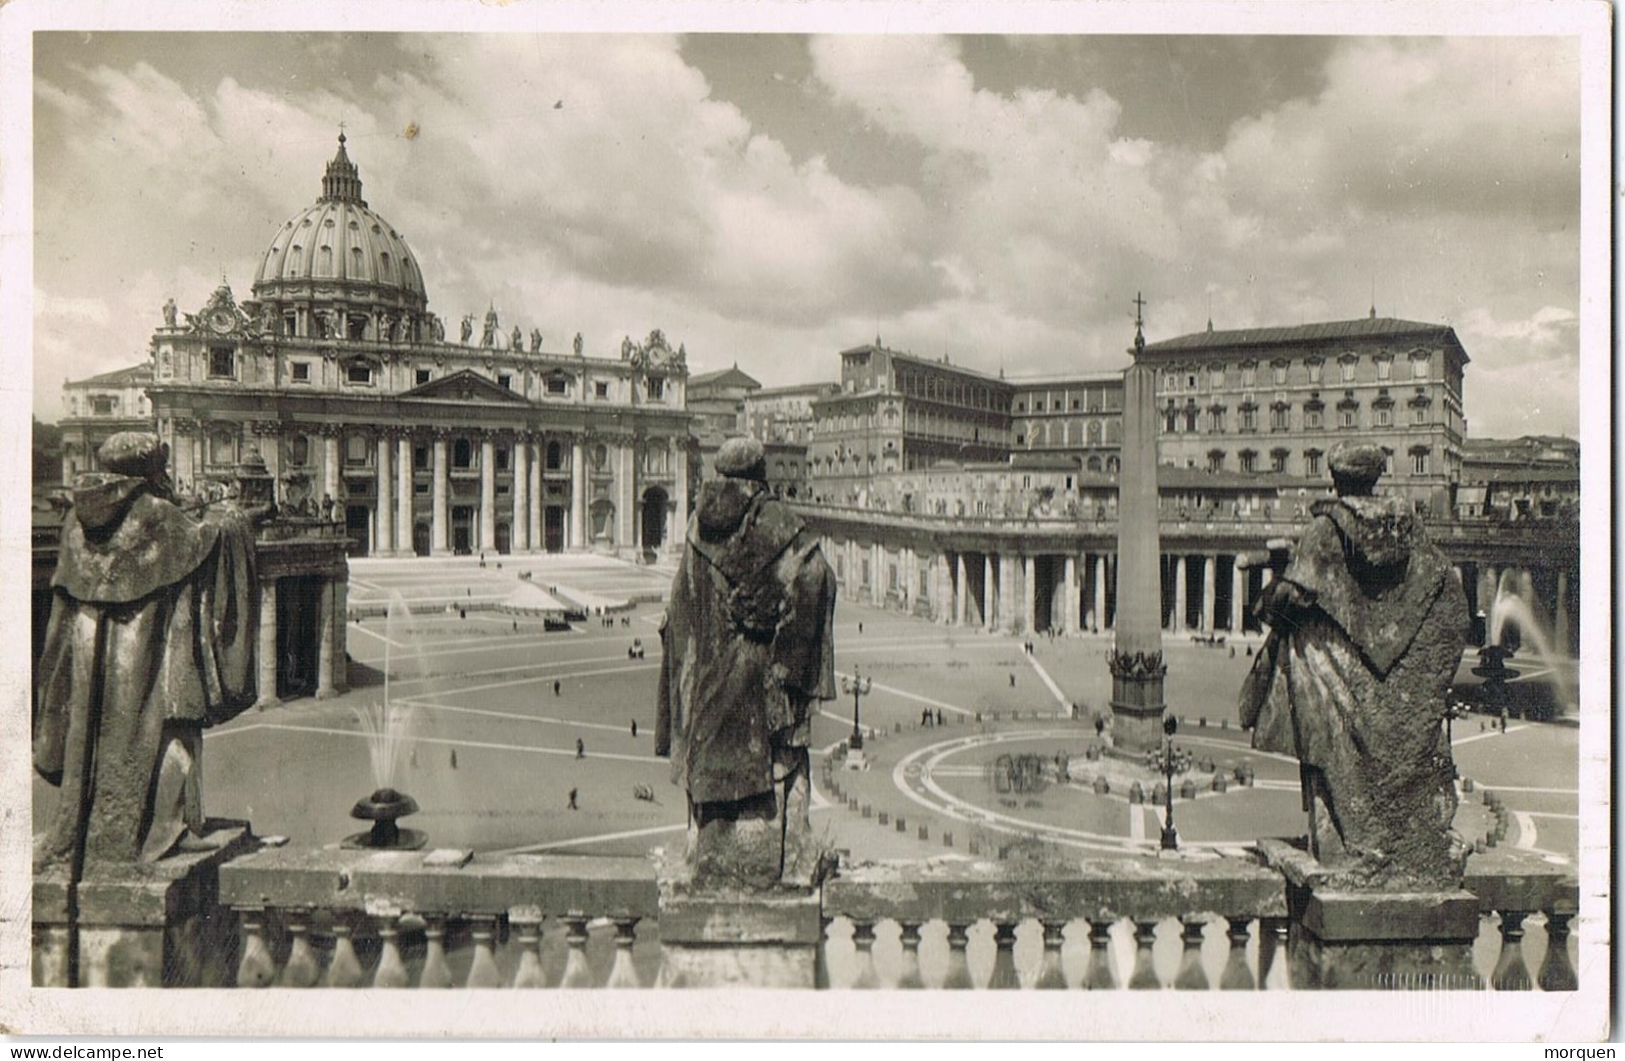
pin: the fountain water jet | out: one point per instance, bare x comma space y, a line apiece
1514, 594
387, 728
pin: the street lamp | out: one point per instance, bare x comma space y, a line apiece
1170, 837
858, 687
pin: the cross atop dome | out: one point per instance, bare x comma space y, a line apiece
343, 181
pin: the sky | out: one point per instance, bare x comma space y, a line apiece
770, 200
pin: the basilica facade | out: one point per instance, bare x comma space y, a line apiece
337, 373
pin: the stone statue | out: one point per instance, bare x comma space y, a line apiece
468, 328
626, 347
169, 313
1367, 625
151, 638
437, 328
575, 344
327, 508
488, 338
516, 342
535, 340
748, 642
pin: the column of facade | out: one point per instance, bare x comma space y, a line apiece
330, 464
440, 527
1074, 592
341, 635
1180, 597
404, 524
679, 465
578, 495
942, 601
960, 589
266, 664
989, 606
180, 451
1100, 591
384, 542
519, 535
1238, 596
1210, 576
877, 574
1029, 593
488, 494
626, 536
537, 453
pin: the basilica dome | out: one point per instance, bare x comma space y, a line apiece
338, 246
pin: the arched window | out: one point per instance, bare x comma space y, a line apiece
299, 450
222, 447
462, 453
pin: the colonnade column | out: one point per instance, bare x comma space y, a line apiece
1238, 596
988, 613
877, 569
266, 665
325, 641
679, 482
488, 494
960, 589
626, 498
404, 525
578, 495
440, 526
1180, 601
1210, 576
1007, 594
384, 543
341, 635
1029, 594
1561, 620
519, 536
1074, 607
942, 602
1100, 591
534, 493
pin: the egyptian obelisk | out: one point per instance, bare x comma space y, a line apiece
1136, 657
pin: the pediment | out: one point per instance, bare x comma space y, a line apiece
465, 386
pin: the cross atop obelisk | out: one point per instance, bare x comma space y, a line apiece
1139, 323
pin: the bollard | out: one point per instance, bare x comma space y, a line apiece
1466, 784
1219, 783
1102, 786
1188, 789
1136, 793
1159, 794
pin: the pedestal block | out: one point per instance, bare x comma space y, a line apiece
739, 939
1137, 701
140, 925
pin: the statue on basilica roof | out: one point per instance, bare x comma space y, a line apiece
468, 328
488, 338
535, 340
517, 341
576, 344
169, 313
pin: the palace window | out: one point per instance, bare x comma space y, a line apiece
557, 386
1419, 462
1419, 414
1348, 416
102, 406
1314, 371
301, 371
654, 388
222, 448
1312, 418
1215, 420
462, 454
1278, 459
1249, 461
420, 458
1215, 460
555, 457
299, 450
501, 455
600, 389
356, 328
1419, 367
1170, 423
1385, 368
422, 376
505, 381
1311, 462
1280, 418
1216, 377
359, 372
1278, 372
290, 323
1348, 364
1249, 418
1190, 419
223, 362
1190, 381
1249, 375
355, 449
1385, 416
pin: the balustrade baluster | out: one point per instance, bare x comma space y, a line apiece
529, 973
1511, 973
344, 969
482, 970
1144, 977
623, 973
1191, 976
1236, 975
909, 937
1556, 972
1272, 954
436, 973
1050, 975
391, 971
1004, 976
302, 968
577, 973
1098, 976
958, 978
255, 968
863, 947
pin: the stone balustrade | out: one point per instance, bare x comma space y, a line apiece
299, 917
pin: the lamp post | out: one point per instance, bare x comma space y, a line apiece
1170, 837
858, 687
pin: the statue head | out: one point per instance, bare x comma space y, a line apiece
1356, 467
742, 458
138, 453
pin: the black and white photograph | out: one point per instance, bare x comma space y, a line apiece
785, 505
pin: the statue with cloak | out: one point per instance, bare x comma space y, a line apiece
748, 649
1367, 625
150, 639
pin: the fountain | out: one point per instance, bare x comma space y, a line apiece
1512, 604
386, 725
